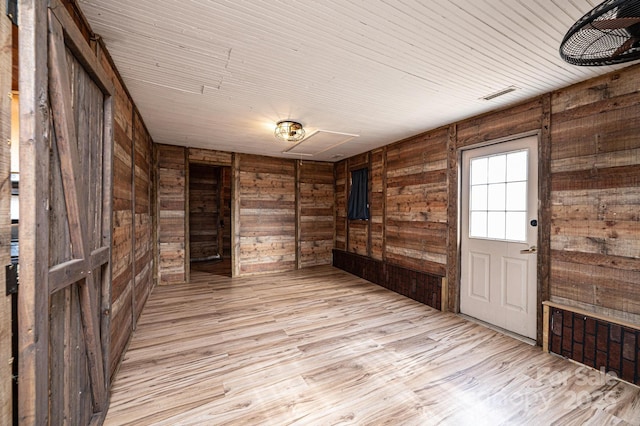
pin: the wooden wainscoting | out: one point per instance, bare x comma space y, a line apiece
421, 286
321, 346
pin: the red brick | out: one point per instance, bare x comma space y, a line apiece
615, 352
566, 339
556, 322
602, 337
578, 352
615, 333
590, 347
578, 328
629, 346
628, 371
601, 360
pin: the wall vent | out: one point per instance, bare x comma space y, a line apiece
499, 93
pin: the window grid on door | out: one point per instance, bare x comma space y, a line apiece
498, 196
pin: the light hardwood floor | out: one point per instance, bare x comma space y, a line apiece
320, 346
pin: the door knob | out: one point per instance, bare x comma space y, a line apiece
532, 249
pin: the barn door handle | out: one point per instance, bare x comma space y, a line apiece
530, 250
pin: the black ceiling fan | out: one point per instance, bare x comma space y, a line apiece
609, 34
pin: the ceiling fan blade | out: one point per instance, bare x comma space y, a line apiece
615, 24
625, 46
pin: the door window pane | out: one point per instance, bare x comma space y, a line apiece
479, 197
497, 168
478, 228
479, 171
516, 226
516, 196
496, 225
517, 166
497, 198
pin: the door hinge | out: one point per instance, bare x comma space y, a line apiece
11, 274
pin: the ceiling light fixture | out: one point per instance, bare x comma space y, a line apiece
289, 131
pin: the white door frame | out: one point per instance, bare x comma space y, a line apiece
540, 214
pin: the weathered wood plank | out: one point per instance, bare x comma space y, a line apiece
451, 298
122, 105
172, 205
544, 214
605, 178
142, 233
315, 214
267, 212
377, 203
603, 133
340, 173
6, 360
415, 151
609, 86
33, 393
66, 142
627, 157
597, 285
208, 156
499, 124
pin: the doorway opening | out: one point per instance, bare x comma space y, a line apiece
210, 218
498, 223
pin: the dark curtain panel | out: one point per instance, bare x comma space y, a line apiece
358, 203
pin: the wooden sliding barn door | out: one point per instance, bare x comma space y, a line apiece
65, 229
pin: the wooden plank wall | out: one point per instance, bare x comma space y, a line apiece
171, 169
284, 218
416, 213
595, 193
378, 202
315, 213
358, 230
132, 237
132, 249
589, 235
267, 216
143, 223
122, 245
341, 177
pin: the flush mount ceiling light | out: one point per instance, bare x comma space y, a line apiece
289, 131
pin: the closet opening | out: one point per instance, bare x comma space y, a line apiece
210, 218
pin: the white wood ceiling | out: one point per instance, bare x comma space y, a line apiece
219, 74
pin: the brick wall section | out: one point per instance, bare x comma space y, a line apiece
596, 343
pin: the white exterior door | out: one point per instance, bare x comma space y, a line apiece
499, 207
